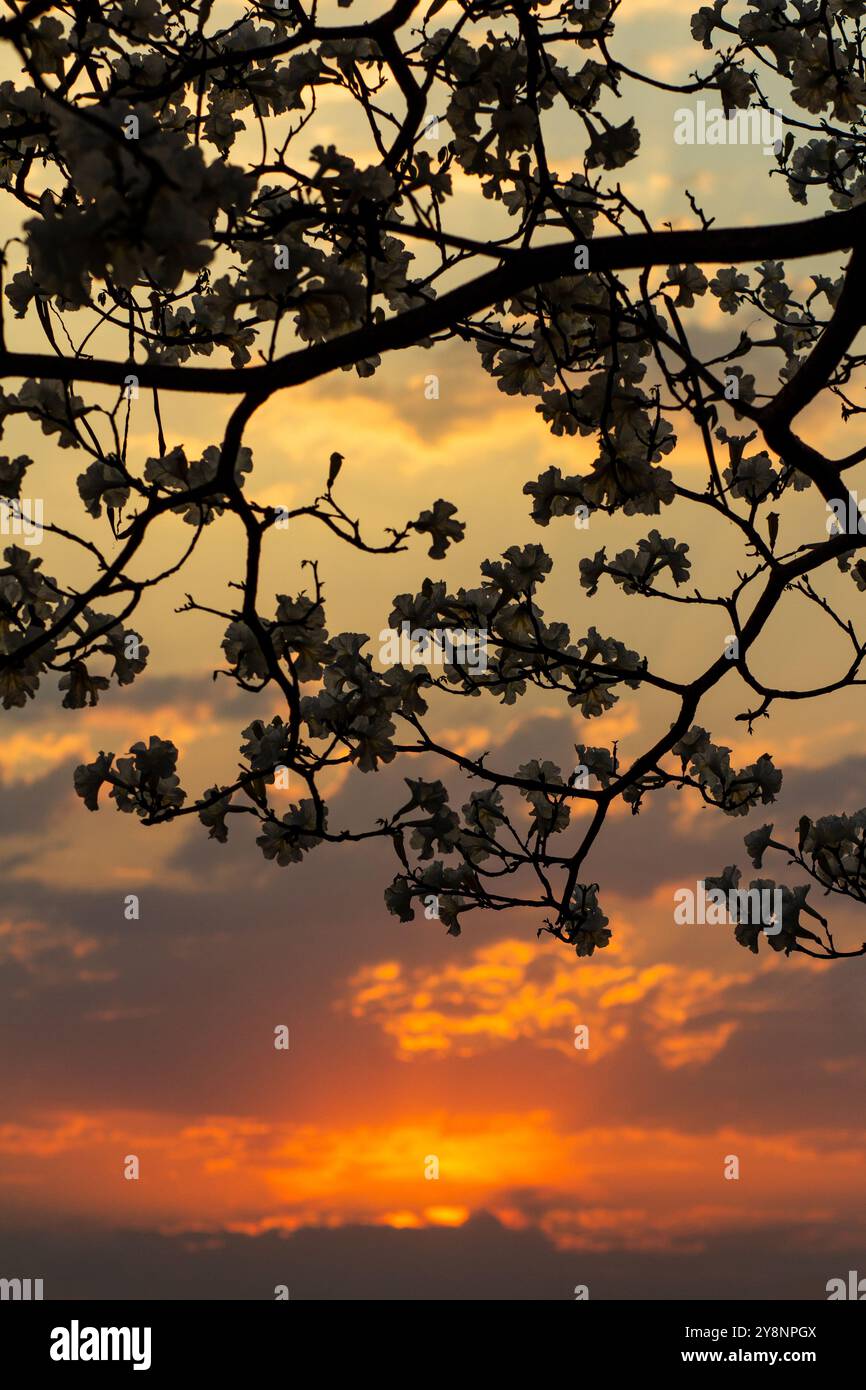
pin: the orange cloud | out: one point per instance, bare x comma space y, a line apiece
593, 1189
520, 989
27, 756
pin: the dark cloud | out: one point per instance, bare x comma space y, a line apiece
196, 984
479, 1261
26, 808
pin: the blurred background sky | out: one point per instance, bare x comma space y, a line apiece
557, 1167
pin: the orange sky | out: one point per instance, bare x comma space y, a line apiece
155, 1037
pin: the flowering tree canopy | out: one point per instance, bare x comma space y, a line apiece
183, 230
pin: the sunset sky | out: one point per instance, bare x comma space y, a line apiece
557, 1166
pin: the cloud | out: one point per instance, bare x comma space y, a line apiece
483, 1259
531, 991
27, 756
592, 1190
45, 952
